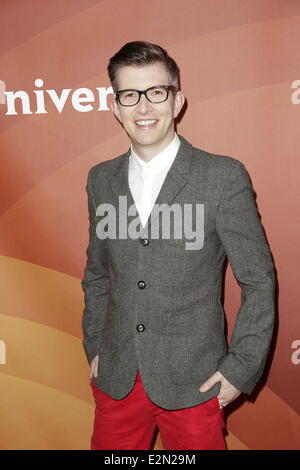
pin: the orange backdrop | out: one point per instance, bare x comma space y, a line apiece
240, 72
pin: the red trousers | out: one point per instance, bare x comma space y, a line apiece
130, 423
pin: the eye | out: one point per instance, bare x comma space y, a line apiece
129, 94
157, 92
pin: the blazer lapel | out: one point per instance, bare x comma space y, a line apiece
171, 187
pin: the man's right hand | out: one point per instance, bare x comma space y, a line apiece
94, 367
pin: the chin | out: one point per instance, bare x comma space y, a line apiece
145, 141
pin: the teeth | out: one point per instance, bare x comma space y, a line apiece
146, 123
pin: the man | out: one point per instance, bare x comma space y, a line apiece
153, 321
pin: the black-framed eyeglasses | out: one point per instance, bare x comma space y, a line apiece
154, 94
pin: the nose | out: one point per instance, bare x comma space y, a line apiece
143, 105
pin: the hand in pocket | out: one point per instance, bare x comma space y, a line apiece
94, 367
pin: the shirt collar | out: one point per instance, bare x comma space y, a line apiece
160, 161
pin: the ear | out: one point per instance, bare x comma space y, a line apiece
178, 103
115, 109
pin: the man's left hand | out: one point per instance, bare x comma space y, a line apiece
227, 392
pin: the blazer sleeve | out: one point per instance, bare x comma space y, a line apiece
242, 235
95, 282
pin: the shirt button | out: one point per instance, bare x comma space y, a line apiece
141, 284
145, 241
140, 328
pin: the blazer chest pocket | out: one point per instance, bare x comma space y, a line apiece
184, 246
187, 226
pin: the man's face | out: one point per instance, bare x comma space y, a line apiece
150, 126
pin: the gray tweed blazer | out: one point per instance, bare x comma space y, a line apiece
153, 305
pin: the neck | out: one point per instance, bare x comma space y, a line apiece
148, 152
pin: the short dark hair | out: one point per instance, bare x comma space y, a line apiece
139, 54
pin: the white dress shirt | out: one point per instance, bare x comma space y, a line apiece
146, 178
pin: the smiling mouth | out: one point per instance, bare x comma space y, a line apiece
146, 123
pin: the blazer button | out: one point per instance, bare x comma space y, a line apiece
145, 241
140, 328
141, 284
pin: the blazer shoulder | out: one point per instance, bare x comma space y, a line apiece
221, 168
106, 167
217, 161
